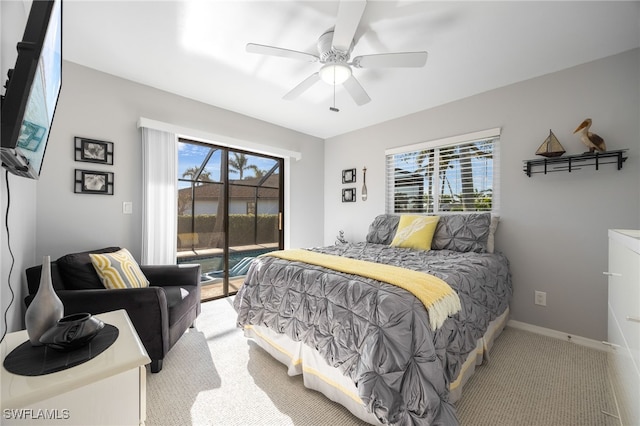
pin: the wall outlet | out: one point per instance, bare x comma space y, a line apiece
541, 298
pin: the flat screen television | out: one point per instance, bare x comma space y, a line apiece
32, 91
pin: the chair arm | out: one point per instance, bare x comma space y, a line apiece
172, 275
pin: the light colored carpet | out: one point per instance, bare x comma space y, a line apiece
215, 376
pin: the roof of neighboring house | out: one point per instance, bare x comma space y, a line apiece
245, 188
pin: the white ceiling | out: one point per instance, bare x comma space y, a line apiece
197, 49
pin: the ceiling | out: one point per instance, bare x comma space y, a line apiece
196, 49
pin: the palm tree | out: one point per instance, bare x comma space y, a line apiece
195, 173
238, 164
258, 172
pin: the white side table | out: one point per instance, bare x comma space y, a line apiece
109, 389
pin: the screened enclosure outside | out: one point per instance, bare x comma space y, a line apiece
459, 177
229, 212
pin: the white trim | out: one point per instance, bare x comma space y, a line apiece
578, 340
226, 141
453, 140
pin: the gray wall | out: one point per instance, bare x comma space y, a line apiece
553, 227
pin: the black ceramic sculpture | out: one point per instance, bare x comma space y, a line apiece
72, 331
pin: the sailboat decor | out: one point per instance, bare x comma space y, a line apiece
551, 147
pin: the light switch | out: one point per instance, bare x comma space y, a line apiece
127, 207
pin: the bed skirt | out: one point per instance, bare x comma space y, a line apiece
320, 376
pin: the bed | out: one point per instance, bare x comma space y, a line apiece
383, 350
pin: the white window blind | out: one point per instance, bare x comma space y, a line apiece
459, 174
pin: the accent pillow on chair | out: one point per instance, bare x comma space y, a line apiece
118, 270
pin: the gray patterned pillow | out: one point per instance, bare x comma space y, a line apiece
383, 229
463, 233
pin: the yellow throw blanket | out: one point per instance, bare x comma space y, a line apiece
438, 298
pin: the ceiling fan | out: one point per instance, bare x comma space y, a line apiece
334, 51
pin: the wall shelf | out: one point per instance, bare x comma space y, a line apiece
570, 163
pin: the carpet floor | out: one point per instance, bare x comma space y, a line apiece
215, 376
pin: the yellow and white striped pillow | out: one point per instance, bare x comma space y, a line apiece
415, 231
118, 270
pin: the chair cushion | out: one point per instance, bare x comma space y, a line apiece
78, 272
118, 270
180, 300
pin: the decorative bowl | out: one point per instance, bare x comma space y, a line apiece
72, 332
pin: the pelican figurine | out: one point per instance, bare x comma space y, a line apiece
591, 140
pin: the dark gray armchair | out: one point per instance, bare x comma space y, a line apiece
160, 313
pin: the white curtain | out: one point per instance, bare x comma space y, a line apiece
159, 197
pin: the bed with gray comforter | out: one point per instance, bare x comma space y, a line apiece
378, 334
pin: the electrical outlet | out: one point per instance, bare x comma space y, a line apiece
541, 298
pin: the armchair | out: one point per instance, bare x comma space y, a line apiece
160, 313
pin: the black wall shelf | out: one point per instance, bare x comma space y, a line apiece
570, 163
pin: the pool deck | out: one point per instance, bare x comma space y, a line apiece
203, 253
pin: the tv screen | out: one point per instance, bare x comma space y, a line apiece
33, 88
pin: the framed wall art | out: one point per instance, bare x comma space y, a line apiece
93, 151
349, 176
348, 195
93, 182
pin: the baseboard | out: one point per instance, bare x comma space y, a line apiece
578, 340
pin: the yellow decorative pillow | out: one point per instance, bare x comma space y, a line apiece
118, 270
415, 232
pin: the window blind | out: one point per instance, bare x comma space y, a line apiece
458, 174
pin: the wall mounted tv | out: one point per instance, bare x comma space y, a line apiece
32, 91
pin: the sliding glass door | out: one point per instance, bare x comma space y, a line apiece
230, 206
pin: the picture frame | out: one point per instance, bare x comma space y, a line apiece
93, 182
349, 175
93, 151
348, 195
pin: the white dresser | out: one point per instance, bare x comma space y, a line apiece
624, 321
109, 389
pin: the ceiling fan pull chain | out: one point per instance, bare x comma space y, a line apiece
333, 108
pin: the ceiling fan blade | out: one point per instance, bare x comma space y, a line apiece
349, 15
356, 91
302, 87
389, 60
278, 51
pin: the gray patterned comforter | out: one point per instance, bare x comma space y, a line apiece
376, 333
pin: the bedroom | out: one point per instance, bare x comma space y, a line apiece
569, 213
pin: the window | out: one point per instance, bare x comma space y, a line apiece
458, 174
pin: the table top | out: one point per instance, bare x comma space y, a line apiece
126, 353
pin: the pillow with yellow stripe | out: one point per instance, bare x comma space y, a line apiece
118, 270
415, 232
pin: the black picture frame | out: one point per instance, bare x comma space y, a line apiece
93, 151
349, 175
349, 195
93, 182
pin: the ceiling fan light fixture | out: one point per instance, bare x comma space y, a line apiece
335, 73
